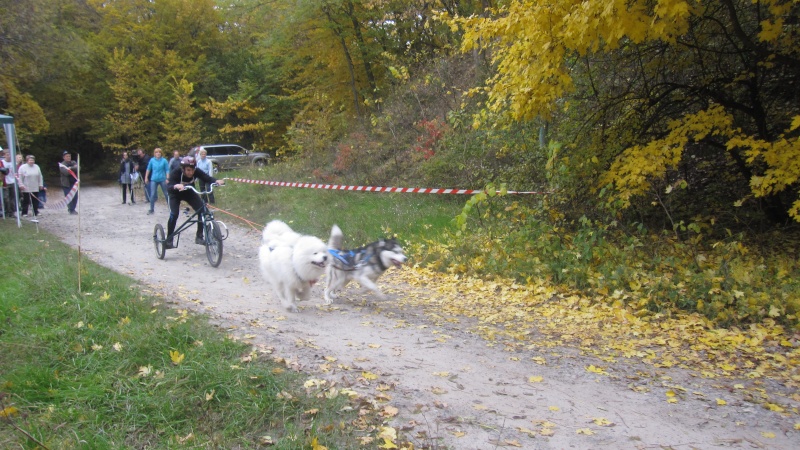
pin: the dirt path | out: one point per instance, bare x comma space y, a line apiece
452, 389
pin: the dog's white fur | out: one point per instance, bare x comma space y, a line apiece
292, 264
279, 233
365, 274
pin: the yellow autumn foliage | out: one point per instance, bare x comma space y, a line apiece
544, 32
662, 80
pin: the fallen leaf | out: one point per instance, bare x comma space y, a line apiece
603, 422
9, 411
599, 370
176, 357
316, 446
586, 431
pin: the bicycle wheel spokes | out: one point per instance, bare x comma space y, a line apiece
213, 237
158, 241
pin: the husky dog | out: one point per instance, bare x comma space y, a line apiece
363, 264
293, 265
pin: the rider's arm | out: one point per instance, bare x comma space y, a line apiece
208, 179
174, 178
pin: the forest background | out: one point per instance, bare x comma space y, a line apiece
663, 135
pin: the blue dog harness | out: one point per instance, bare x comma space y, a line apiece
350, 258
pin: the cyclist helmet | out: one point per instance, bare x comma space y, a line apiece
188, 161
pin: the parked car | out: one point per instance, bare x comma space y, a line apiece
231, 156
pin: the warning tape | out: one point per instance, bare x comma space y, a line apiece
338, 187
62, 204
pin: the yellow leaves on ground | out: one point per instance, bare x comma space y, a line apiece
9, 411
176, 357
598, 370
535, 379
603, 422
774, 407
388, 435
316, 446
671, 396
537, 317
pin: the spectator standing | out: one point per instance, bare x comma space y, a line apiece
155, 176
4, 172
10, 182
126, 169
142, 160
175, 162
69, 176
30, 181
41, 196
204, 164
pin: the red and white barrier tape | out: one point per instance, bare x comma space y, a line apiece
62, 204
339, 187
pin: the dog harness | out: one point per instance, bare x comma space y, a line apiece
351, 258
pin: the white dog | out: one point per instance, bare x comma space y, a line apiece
363, 264
291, 269
279, 233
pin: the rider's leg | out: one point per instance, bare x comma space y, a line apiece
197, 204
174, 210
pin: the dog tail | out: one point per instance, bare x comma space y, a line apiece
335, 241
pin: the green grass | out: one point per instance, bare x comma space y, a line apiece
64, 384
363, 217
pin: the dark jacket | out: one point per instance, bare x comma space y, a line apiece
126, 168
67, 178
177, 177
142, 163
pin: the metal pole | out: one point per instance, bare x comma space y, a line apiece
11, 138
79, 222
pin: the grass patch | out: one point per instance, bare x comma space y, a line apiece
111, 367
363, 217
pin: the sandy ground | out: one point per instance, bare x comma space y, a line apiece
452, 389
